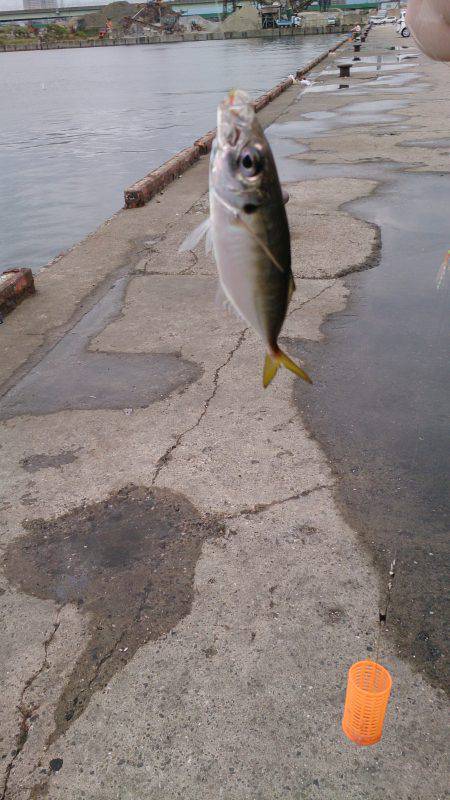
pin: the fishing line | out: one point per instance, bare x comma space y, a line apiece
250, 230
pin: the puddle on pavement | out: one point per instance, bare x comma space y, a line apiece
336, 87
127, 563
389, 61
392, 82
380, 406
395, 80
415, 89
70, 377
284, 139
357, 70
317, 123
374, 107
429, 144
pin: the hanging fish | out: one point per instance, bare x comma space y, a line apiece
248, 228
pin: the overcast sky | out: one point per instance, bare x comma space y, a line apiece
15, 5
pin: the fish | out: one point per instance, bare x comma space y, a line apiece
248, 229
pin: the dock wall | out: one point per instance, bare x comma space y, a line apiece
312, 30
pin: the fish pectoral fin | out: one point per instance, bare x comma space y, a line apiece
194, 237
270, 370
272, 363
226, 304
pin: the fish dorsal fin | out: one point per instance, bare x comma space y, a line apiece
194, 237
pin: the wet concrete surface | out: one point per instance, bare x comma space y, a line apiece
366, 69
317, 123
295, 169
127, 563
431, 144
380, 408
283, 603
392, 84
72, 377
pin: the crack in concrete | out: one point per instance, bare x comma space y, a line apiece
260, 507
136, 553
314, 297
188, 271
167, 456
113, 649
27, 711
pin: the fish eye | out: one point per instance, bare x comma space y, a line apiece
250, 162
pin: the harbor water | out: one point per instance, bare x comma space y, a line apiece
79, 126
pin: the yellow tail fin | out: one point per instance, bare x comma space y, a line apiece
272, 363
270, 370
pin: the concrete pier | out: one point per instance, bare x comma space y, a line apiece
181, 596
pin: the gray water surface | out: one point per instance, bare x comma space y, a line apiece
80, 126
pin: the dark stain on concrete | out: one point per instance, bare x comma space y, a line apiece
27, 499
40, 461
127, 563
72, 377
380, 410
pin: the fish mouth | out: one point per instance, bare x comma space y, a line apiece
235, 116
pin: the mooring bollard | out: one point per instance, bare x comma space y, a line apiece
15, 284
344, 69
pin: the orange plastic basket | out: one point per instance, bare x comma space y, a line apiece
368, 688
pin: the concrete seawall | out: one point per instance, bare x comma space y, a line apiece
181, 594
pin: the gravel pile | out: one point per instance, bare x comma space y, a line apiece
244, 19
113, 11
207, 25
